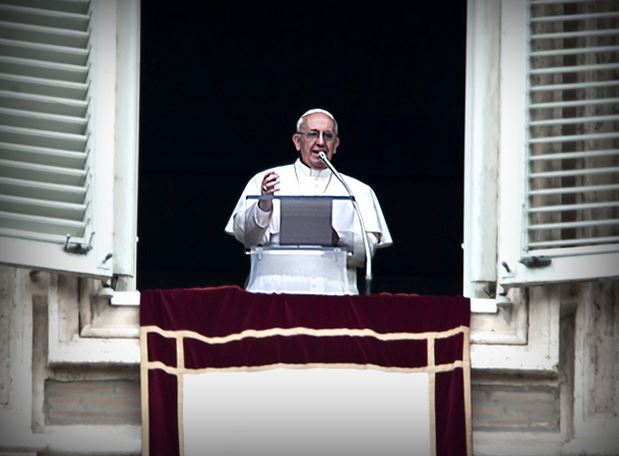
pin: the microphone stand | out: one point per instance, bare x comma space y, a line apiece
366, 244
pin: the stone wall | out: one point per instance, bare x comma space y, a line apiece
65, 391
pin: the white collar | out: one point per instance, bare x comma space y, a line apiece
303, 170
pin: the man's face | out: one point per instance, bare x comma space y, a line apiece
317, 134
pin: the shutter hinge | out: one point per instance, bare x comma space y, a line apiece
78, 247
536, 261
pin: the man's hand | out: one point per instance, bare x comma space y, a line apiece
268, 187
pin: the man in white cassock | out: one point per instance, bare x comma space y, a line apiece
255, 222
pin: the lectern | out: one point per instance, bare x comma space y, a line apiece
303, 255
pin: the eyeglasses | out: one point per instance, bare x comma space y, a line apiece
313, 135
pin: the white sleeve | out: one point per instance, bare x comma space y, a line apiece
248, 223
251, 225
262, 218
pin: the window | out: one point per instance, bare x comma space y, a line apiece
573, 153
68, 135
557, 148
569, 216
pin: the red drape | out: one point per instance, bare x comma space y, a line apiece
230, 312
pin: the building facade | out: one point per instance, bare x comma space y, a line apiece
541, 237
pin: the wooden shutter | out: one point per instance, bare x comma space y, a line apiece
46, 157
571, 220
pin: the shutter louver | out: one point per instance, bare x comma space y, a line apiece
44, 145
573, 153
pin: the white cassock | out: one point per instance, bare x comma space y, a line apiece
252, 226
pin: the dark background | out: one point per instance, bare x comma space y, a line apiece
221, 90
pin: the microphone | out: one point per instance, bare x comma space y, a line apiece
323, 158
366, 244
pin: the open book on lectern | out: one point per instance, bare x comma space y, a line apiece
303, 220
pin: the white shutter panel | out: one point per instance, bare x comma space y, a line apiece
571, 210
46, 157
